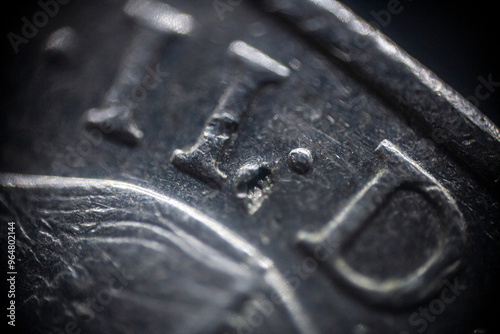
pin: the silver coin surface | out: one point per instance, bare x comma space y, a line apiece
242, 167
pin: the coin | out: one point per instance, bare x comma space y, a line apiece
237, 167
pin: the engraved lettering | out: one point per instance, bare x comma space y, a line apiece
255, 69
399, 171
156, 21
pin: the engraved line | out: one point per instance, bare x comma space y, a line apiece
272, 275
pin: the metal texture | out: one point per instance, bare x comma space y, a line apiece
243, 167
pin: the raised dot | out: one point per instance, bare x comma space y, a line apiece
300, 160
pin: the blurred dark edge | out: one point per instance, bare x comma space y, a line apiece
458, 40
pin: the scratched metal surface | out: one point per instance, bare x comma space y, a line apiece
261, 139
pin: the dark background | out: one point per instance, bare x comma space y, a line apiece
458, 40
